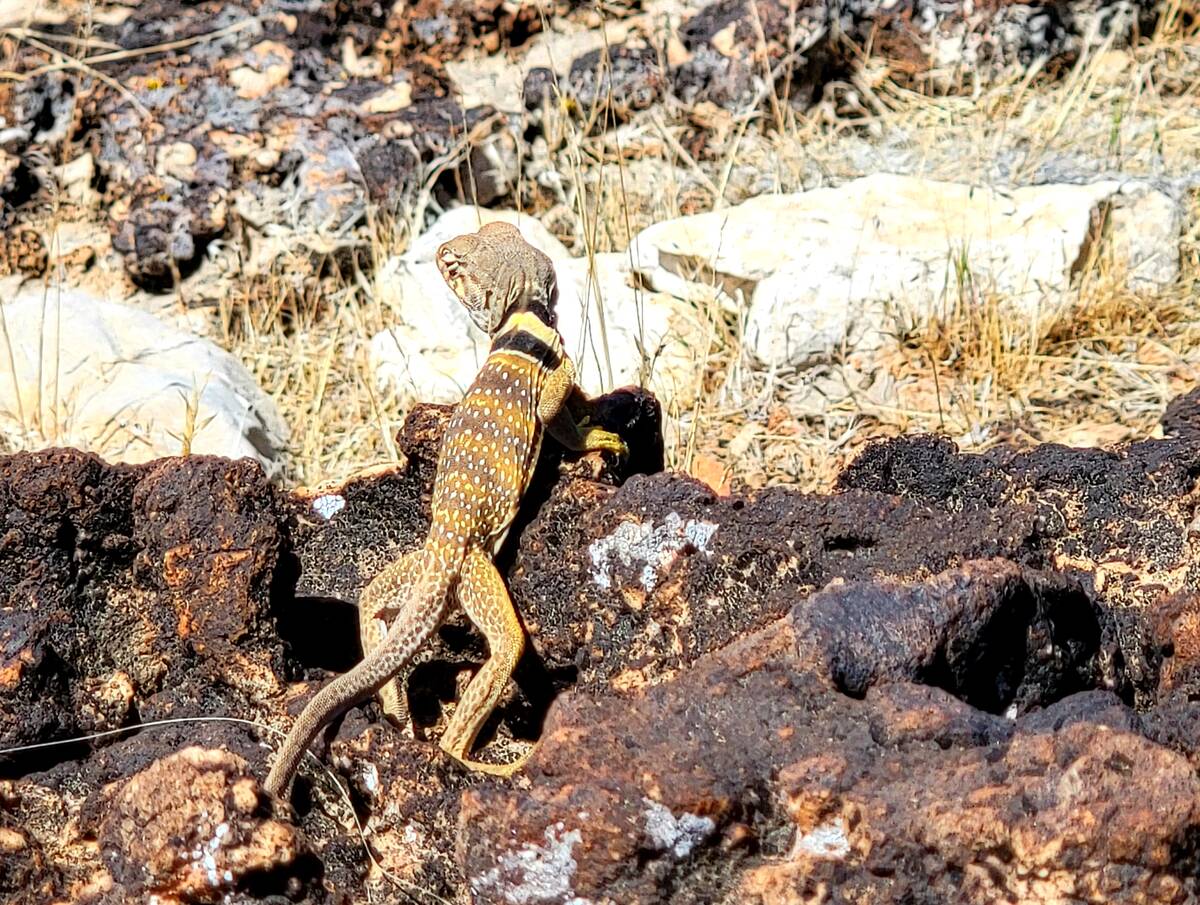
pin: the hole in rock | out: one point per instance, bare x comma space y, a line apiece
277, 887
1038, 645
23, 763
320, 632
435, 683
847, 543
24, 185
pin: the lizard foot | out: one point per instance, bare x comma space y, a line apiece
596, 438
507, 769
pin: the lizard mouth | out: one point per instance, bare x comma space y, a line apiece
447, 261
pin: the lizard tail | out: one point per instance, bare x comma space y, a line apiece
427, 604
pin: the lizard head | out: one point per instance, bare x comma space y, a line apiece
494, 273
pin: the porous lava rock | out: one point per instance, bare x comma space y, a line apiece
215, 120
958, 677
737, 54
610, 84
745, 780
236, 131
1182, 417
132, 589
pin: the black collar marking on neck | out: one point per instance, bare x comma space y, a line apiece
540, 310
525, 343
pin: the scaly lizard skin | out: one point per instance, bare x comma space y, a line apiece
487, 458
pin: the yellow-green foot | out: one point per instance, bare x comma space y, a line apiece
596, 438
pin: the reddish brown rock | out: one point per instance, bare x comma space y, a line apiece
1118, 520
959, 678
741, 780
132, 588
1174, 644
112, 827
663, 570
995, 635
186, 828
414, 799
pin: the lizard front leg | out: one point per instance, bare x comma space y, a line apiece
563, 409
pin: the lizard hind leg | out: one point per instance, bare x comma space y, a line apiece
379, 604
482, 594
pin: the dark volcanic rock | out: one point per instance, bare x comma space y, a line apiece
1118, 519
737, 54
736, 51
663, 570
1182, 417
965, 678
172, 811
163, 238
611, 83
993, 634
131, 588
270, 113
132, 593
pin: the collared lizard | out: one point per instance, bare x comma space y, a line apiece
525, 387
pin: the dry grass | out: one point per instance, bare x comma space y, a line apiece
306, 342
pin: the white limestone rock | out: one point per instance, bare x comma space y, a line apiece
846, 265
80, 371
618, 335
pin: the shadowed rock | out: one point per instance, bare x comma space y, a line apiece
1182, 417
993, 634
